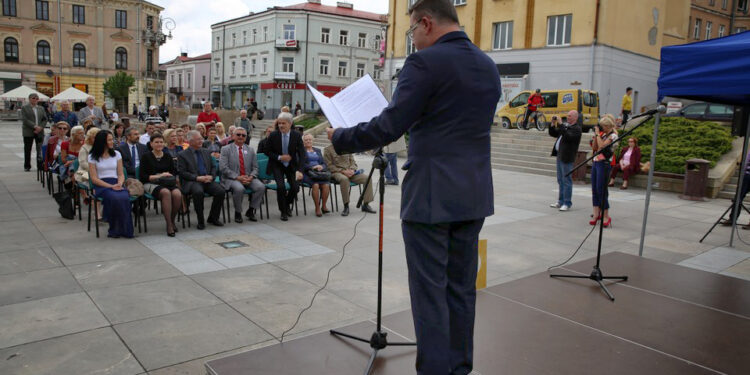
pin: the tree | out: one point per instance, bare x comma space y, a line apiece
118, 87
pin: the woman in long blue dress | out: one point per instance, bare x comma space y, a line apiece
106, 173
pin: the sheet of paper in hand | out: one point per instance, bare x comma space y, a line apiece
358, 102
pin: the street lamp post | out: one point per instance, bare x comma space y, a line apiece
156, 38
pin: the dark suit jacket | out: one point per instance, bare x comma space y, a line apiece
28, 118
188, 169
571, 139
296, 150
446, 98
127, 159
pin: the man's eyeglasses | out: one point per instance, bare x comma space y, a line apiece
413, 27
241, 135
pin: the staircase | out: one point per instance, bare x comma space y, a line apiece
730, 187
525, 151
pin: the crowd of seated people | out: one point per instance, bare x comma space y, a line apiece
179, 166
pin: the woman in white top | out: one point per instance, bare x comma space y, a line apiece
106, 173
605, 134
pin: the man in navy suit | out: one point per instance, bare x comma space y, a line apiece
132, 151
446, 98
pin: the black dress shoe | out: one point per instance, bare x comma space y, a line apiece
250, 214
345, 211
238, 218
201, 226
27, 169
284, 217
366, 208
215, 222
289, 212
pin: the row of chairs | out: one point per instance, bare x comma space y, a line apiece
140, 204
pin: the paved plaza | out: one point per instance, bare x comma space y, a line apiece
74, 304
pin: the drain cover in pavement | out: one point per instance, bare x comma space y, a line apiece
232, 244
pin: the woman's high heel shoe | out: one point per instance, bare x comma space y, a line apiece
593, 222
608, 223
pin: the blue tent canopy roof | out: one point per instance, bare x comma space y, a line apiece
715, 70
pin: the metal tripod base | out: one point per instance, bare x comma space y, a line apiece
596, 275
377, 342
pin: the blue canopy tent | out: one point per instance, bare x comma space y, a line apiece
716, 70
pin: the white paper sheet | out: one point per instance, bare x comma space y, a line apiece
359, 102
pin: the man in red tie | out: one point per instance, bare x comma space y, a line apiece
238, 166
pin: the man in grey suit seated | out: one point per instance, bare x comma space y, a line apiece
239, 170
92, 112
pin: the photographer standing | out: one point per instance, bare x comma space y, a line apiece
568, 136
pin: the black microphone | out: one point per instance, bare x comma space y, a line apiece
659, 109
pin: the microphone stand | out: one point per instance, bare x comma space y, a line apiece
596, 273
378, 340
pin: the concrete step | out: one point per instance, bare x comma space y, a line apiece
536, 135
515, 146
524, 163
530, 142
534, 157
515, 168
729, 195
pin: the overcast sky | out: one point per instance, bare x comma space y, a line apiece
194, 18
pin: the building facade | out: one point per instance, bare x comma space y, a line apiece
188, 80
603, 45
271, 56
717, 18
51, 45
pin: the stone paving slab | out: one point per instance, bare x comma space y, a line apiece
148, 299
28, 260
29, 286
46, 318
98, 351
122, 271
176, 338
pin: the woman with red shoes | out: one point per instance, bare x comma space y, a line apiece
605, 135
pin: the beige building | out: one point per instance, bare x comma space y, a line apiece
51, 45
604, 45
714, 18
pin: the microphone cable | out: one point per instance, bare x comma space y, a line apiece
575, 252
328, 276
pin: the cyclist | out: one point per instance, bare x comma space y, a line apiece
535, 100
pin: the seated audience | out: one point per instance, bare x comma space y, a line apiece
201, 129
150, 128
212, 143
263, 143
315, 162
239, 171
344, 170
173, 145
197, 174
65, 114
69, 152
159, 177
119, 134
106, 173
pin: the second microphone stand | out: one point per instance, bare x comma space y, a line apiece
596, 273
378, 340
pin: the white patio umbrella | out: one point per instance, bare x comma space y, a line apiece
22, 93
71, 94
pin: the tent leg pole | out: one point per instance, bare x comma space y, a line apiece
657, 121
740, 179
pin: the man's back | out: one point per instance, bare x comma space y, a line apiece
446, 98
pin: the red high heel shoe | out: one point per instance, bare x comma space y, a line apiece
608, 222
593, 222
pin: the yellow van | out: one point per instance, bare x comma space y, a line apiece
556, 103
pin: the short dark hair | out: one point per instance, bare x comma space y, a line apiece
155, 136
130, 131
441, 10
628, 89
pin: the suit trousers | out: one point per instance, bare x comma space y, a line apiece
359, 179
283, 197
391, 170
213, 189
238, 192
442, 264
27, 143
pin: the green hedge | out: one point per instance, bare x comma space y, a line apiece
309, 122
681, 139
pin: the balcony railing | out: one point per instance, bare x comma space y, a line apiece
287, 44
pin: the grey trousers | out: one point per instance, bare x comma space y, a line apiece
359, 179
238, 193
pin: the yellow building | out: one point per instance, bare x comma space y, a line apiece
603, 45
93, 40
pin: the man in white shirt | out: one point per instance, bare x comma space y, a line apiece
132, 151
146, 138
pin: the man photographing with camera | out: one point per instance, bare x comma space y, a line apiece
568, 136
